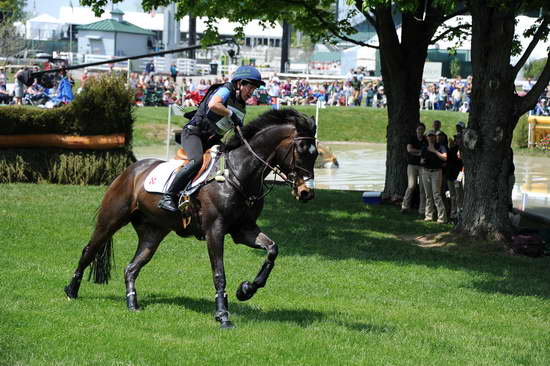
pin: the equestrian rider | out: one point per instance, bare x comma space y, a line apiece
222, 108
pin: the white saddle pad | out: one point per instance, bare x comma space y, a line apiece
160, 178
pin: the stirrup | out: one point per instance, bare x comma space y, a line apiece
184, 202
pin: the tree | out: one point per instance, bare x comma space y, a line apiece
10, 42
496, 108
495, 112
402, 60
12, 9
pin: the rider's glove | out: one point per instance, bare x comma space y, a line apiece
235, 119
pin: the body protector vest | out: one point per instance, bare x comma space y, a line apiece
211, 124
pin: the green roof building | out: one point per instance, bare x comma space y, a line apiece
113, 37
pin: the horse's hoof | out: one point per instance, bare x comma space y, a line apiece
227, 325
69, 293
245, 291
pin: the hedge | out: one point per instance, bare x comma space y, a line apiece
103, 107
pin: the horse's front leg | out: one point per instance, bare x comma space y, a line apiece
254, 238
215, 251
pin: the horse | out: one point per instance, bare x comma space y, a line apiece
282, 141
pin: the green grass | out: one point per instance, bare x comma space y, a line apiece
345, 291
335, 123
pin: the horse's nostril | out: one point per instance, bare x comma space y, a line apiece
306, 195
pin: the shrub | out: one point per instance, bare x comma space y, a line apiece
103, 107
521, 133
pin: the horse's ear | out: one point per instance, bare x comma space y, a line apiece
313, 125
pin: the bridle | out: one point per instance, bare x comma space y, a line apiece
289, 178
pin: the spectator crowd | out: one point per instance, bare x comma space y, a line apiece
435, 173
36, 94
355, 89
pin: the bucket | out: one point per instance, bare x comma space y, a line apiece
372, 198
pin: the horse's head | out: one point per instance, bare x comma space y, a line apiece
299, 159
284, 142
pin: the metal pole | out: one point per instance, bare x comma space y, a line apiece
285, 44
120, 59
168, 131
317, 118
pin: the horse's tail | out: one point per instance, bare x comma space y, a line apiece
100, 268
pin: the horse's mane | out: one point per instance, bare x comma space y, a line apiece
272, 118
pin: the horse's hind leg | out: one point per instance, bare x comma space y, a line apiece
149, 239
109, 220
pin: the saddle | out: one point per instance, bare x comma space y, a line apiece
206, 159
160, 178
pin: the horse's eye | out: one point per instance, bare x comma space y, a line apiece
312, 149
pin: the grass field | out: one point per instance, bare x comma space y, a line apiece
335, 123
345, 291
359, 124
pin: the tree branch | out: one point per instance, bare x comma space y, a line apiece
334, 30
527, 102
454, 14
366, 14
449, 30
536, 38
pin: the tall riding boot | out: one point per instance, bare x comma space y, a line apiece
169, 200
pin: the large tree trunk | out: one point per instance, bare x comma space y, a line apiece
402, 65
493, 117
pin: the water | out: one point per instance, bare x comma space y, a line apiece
363, 165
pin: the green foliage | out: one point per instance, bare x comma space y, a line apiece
63, 166
534, 68
345, 291
455, 67
103, 107
12, 9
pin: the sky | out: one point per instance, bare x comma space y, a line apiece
51, 7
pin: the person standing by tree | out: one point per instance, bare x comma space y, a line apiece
451, 172
414, 170
432, 158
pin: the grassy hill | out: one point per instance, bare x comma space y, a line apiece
335, 123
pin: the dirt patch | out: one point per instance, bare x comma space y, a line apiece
453, 242
435, 240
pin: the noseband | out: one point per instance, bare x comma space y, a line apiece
289, 178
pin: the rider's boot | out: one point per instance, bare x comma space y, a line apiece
169, 201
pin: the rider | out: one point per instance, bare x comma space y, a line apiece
223, 107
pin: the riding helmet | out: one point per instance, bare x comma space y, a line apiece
249, 74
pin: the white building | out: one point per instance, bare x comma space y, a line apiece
113, 37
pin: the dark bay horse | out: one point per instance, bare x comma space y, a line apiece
282, 140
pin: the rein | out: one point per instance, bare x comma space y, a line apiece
251, 199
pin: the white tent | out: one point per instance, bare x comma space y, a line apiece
44, 27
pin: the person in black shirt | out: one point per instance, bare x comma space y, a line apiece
414, 150
432, 159
450, 174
